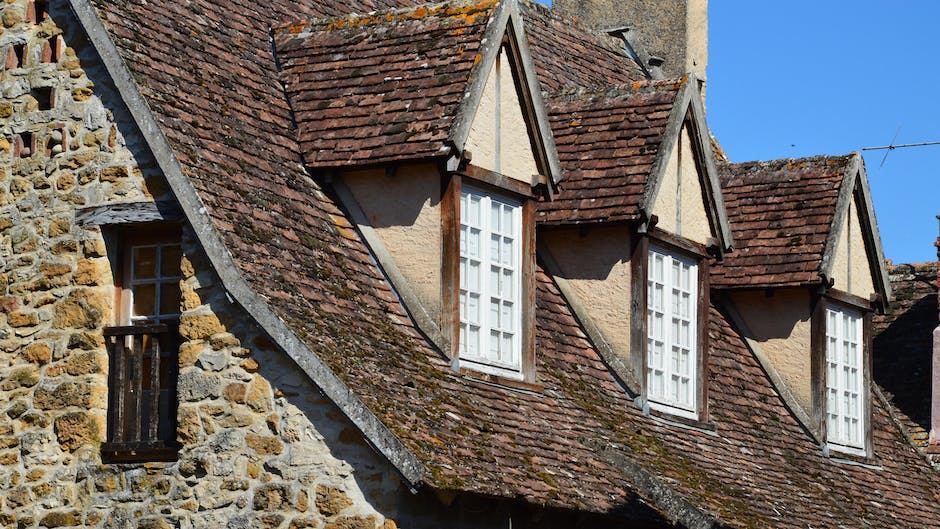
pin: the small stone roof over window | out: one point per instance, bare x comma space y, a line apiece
607, 144
781, 213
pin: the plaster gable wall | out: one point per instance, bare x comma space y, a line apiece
679, 204
850, 269
501, 109
781, 326
597, 267
405, 212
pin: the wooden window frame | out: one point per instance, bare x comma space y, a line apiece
135, 442
841, 300
451, 187
639, 263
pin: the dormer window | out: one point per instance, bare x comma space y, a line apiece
490, 283
672, 316
844, 380
669, 340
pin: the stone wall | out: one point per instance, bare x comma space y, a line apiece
260, 446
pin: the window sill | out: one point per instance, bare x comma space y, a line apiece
837, 455
502, 381
681, 421
138, 453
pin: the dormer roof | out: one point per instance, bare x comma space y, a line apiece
402, 84
787, 214
614, 148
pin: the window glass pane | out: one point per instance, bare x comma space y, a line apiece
144, 299
170, 298
144, 265
170, 262
844, 379
671, 326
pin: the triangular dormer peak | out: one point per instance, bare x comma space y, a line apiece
502, 125
853, 260
683, 192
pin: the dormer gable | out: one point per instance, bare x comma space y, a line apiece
683, 191
502, 125
853, 261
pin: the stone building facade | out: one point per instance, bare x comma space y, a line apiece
260, 446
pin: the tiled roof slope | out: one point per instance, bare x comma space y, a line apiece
381, 87
566, 448
567, 55
607, 144
780, 212
903, 345
575, 443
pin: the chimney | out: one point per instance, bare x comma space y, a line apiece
934, 447
672, 31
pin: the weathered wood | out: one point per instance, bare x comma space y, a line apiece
450, 263
136, 388
135, 330
154, 387
701, 378
639, 262
499, 182
119, 357
818, 365
678, 244
529, 373
867, 345
128, 213
855, 302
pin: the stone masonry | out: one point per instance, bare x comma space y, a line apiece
260, 446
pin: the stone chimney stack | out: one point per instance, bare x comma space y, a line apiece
675, 31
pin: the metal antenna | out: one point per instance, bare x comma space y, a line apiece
892, 146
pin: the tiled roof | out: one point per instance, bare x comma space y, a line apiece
781, 213
607, 144
566, 55
381, 87
577, 444
903, 344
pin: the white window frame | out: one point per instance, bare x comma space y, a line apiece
846, 410
662, 340
479, 356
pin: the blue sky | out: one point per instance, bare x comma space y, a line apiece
800, 78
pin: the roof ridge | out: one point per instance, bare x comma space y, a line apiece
638, 87
781, 161
383, 15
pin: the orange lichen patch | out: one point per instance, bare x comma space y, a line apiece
477, 59
296, 28
575, 123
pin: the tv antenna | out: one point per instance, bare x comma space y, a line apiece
891, 146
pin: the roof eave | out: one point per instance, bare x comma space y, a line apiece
372, 428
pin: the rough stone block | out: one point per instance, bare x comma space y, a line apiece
83, 308
78, 429
61, 519
264, 445
259, 396
69, 394
353, 522
195, 385
271, 497
37, 353
200, 325
331, 501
